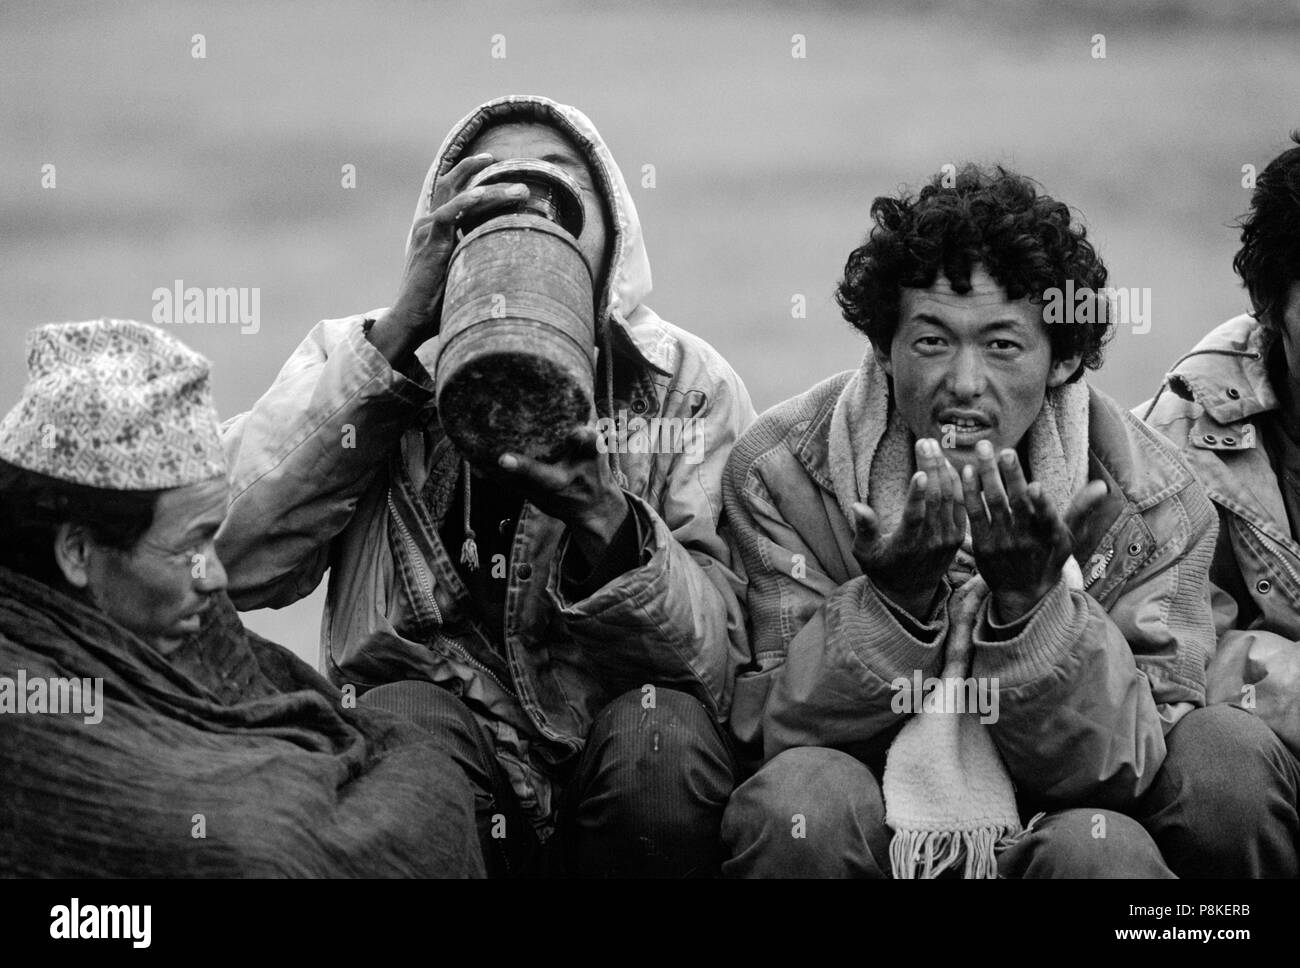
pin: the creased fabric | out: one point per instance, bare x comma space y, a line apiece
232, 759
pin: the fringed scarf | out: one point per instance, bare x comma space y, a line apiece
948, 796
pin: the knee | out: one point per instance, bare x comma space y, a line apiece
1224, 762
650, 788
1089, 844
651, 704
424, 703
647, 748
810, 811
1222, 755
448, 722
654, 730
811, 781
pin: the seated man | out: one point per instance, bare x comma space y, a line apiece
584, 670
977, 586
143, 732
1232, 405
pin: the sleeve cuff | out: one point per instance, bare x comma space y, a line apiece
885, 639
922, 628
411, 383
1041, 638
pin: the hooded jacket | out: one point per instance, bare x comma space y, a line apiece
1215, 405
335, 466
1089, 681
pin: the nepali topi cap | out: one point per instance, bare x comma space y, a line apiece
114, 404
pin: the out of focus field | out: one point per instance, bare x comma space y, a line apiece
226, 171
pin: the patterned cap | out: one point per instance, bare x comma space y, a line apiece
114, 404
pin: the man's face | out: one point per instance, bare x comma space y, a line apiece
159, 589
529, 140
971, 367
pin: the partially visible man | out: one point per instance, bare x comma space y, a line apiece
1232, 405
143, 731
584, 670
977, 586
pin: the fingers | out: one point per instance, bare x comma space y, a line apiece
866, 525
548, 477
928, 464
579, 447
476, 201
954, 497
973, 499
453, 182
1013, 476
1040, 505
945, 514
914, 508
868, 542
995, 496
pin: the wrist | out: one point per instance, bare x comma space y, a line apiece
916, 603
394, 338
1010, 606
406, 315
605, 517
594, 530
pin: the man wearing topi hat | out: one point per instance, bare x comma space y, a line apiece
573, 624
143, 732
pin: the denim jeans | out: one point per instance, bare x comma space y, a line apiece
645, 798
1225, 802
840, 828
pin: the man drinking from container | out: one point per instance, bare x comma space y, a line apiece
565, 616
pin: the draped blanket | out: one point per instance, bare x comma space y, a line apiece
230, 758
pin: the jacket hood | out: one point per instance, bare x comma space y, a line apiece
1227, 371
627, 281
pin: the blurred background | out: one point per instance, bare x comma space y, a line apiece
226, 170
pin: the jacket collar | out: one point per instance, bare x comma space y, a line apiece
643, 343
810, 439
1141, 468
1227, 372
1227, 376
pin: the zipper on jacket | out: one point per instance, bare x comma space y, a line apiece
463, 652
1286, 565
1097, 566
426, 586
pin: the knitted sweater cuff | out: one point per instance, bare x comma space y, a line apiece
871, 628
1043, 638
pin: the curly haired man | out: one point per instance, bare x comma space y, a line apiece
977, 586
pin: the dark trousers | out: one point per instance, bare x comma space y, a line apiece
645, 798
1225, 802
817, 812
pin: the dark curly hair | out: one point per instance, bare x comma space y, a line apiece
1269, 258
1026, 240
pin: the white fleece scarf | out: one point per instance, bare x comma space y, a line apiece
948, 796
